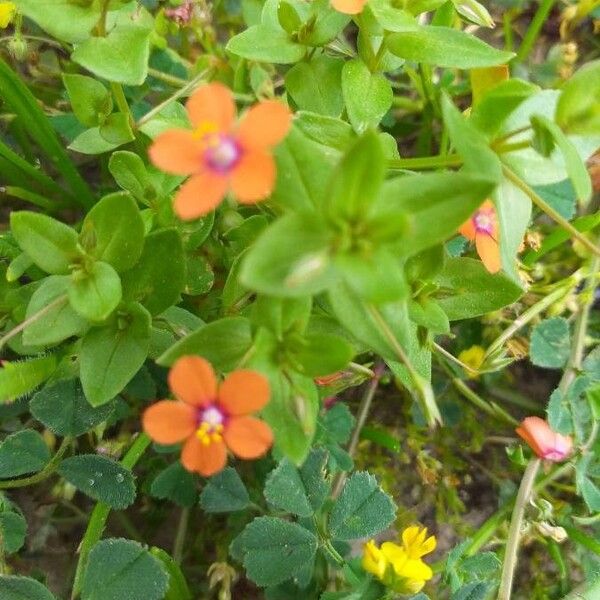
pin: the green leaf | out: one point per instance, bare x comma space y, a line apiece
91, 141
119, 568
51, 245
117, 129
392, 18
357, 180
223, 343
63, 408
445, 47
13, 529
328, 23
113, 231
63, 19
178, 587
265, 43
477, 590
113, 354
13, 587
130, 173
90, 100
577, 111
177, 484
158, 278
315, 85
321, 354
121, 56
275, 550
362, 509
20, 378
368, 96
95, 293
58, 323
336, 424
471, 144
467, 290
550, 343
291, 258
574, 164
224, 492
101, 478
23, 452
435, 206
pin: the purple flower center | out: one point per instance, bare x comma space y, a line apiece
213, 416
484, 222
222, 153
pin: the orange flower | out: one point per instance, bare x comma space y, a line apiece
209, 418
348, 7
547, 444
219, 154
482, 228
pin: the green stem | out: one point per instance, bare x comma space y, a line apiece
514, 533
534, 29
179, 543
33, 198
551, 212
97, 521
425, 162
41, 475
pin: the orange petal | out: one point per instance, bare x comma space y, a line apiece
176, 151
248, 437
348, 7
168, 422
193, 380
489, 252
253, 179
264, 125
211, 105
200, 195
200, 458
467, 229
537, 433
244, 392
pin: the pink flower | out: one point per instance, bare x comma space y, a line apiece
545, 442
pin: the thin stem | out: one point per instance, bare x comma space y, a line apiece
361, 418
32, 197
551, 212
32, 319
41, 475
179, 543
534, 29
425, 162
530, 314
188, 87
453, 358
514, 533
97, 521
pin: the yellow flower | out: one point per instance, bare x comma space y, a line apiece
374, 560
7, 13
401, 567
472, 357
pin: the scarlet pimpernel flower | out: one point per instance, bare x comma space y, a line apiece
401, 567
482, 228
546, 443
211, 418
7, 13
220, 155
349, 7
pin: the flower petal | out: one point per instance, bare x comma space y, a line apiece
244, 392
489, 252
193, 381
248, 437
204, 459
467, 229
176, 151
199, 195
348, 7
211, 105
168, 422
253, 178
264, 125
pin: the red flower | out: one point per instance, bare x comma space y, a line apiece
547, 444
209, 418
220, 155
482, 228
